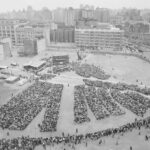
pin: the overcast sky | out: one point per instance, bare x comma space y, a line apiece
9, 5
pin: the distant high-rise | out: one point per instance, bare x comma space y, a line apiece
30, 47
69, 17
5, 48
7, 29
102, 15
58, 15
62, 34
86, 14
28, 32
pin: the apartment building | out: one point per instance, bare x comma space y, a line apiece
62, 35
28, 32
7, 29
103, 36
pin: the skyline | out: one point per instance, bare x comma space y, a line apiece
16, 5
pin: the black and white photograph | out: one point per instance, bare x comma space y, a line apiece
75, 75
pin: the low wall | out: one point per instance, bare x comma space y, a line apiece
121, 53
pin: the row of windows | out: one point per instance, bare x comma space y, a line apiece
114, 44
98, 39
98, 36
104, 46
98, 33
95, 41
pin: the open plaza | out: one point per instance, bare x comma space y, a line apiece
67, 105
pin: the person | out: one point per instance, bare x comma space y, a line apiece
100, 142
130, 147
7, 133
117, 143
76, 130
146, 138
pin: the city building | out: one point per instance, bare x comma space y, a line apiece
103, 36
86, 12
131, 14
58, 15
102, 15
137, 31
12, 79
69, 17
116, 20
62, 34
34, 65
5, 48
8, 27
60, 60
29, 48
28, 32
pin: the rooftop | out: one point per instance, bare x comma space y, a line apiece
97, 26
12, 78
35, 64
97, 29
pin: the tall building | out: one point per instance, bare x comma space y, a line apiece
138, 32
7, 29
116, 20
86, 14
58, 15
62, 34
69, 17
133, 28
131, 14
5, 48
102, 15
29, 48
28, 32
104, 36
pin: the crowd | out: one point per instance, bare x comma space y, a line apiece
126, 101
46, 76
60, 68
24, 107
87, 71
28, 143
51, 116
95, 104
118, 86
124, 94
107, 101
101, 103
139, 98
80, 107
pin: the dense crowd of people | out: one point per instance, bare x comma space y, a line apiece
107, 101
61, 68
24, 107
139, 98
80, 106
28, 143
99, 101
94, 104
21, 109
88, 71
46, 76
118, 86
51, 116
129, 103
129, 96
101, 97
